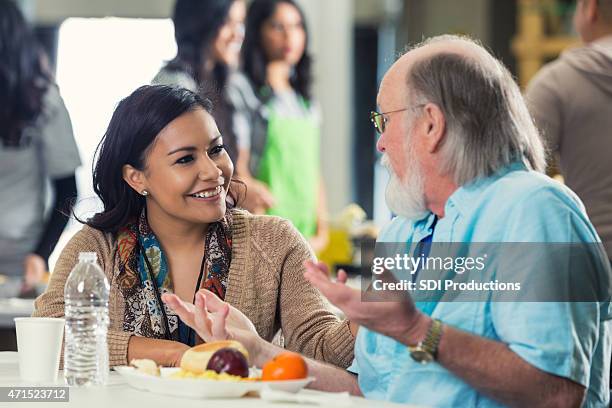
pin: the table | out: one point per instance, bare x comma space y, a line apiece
117, 394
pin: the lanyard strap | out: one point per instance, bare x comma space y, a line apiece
157, 295
167, 336
190, 333
423, 247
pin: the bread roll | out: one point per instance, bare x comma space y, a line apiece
196, 358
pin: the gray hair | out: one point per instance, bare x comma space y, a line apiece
488, 125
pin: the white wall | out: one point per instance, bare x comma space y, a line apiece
331, 33
53, 11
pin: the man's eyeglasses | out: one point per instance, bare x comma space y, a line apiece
380, 120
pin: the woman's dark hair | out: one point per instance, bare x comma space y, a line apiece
254, 58
135, 124
24, 79
196, 25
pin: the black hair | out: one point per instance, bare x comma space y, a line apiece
196, 25
24, 79
134, 126
254, 57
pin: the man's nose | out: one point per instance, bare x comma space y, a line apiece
380, 144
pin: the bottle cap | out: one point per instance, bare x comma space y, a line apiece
88, 257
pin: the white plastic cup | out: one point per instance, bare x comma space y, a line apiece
39, 344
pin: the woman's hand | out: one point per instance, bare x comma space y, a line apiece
166, 353
319, 242
34, 269
175, 354
258, 197
214, 319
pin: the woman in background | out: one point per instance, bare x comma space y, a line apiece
209, 34
169, 225
284, 136
36, 145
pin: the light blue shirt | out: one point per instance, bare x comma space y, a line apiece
570, 340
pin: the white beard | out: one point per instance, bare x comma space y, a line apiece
406, 199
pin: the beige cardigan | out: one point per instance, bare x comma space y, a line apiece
265, 282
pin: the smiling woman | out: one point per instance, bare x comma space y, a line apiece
164, 145
184, 167
170, 224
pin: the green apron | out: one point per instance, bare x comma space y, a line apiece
290, 167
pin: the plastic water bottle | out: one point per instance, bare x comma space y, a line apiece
85, 344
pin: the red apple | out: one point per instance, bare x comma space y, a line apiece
229, 360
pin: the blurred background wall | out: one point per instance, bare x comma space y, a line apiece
124, 42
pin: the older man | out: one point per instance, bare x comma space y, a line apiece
466, 165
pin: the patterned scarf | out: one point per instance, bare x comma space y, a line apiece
143, 315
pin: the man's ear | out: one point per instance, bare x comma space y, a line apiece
591, 10
135, 178
435, 126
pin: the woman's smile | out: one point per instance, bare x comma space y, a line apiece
210, 195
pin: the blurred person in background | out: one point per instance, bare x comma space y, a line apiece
571, 102
209, 34
170, 226
36, 146
279, 156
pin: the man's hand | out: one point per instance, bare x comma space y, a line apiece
34, 269
392, 314
214, 319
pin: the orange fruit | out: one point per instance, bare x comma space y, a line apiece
285, 366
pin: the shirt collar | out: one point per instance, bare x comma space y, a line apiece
605, 42
461, 201
463, 198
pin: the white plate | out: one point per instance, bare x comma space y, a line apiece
200, 387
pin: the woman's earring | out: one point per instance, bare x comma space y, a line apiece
145, 193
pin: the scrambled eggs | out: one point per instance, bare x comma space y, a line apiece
209, 375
